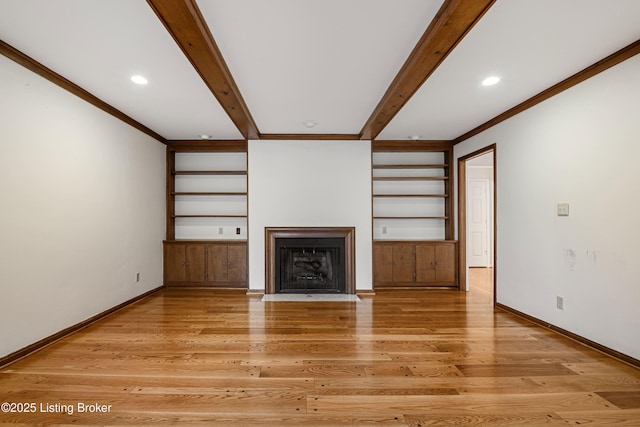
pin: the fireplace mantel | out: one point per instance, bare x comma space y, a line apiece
273, 233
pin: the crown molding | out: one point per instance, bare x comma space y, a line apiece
309, 136
411, 145
239, 145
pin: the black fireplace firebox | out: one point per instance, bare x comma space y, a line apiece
310, 265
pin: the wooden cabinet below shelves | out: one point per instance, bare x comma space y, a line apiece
227, 263
205, 263
415, 264
184, 263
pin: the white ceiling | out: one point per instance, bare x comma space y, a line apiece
324, 60
531, 45
329, 61
100, 44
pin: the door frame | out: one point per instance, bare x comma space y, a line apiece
462, 216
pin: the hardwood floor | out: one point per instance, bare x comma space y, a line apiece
481, 279
400, 358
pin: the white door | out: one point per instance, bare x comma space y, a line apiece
478, 222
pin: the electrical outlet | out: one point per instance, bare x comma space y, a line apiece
137, 277
220, 230
563, 209
237, 230
560, 303
384, 230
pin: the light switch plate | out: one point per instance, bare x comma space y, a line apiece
563, 209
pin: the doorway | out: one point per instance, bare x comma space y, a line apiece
476, 221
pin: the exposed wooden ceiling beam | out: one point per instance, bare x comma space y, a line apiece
452, 22
36, 67
185, 23
600, 66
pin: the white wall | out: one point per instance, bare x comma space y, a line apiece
581, 147
82, 209
307, 184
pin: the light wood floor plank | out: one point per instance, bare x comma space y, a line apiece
626, 418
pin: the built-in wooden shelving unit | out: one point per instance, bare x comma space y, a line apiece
206, 241
411, 191
207, 191
412, 205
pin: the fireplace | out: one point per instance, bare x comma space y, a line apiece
310, 260
309, 265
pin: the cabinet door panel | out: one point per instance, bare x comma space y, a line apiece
217, 263
403, 263
237, 263
382, 263
425, 263
174, 263
445, 262
195, 263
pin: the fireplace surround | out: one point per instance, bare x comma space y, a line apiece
310, 259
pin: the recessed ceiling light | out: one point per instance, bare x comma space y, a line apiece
204, 136
310, 123
414, 137
139, 80
490, 81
